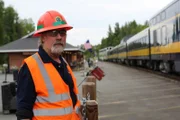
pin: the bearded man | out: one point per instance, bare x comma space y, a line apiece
47, 88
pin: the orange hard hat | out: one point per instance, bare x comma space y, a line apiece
51, 20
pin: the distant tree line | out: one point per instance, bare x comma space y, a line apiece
12, 27
115, 36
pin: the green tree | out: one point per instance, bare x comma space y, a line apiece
10, 17
110, 37
12, 27
104, 43
129, 28
15, 27
27, 26
1, 22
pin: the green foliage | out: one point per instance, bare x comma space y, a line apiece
12, 27
1, 21
27, 26
10, 17
114, 38
88, 54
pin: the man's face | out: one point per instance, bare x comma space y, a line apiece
55, 41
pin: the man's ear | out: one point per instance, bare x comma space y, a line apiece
43, 37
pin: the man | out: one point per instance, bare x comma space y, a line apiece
47, 88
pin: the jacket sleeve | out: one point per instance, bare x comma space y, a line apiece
26, 94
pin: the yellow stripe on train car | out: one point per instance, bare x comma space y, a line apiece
122, 55
141, 52
170, 48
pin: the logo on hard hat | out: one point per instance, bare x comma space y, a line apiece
58, 19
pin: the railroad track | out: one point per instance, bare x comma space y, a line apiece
174, 76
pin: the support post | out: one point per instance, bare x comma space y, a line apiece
91, 79
92, 110
89, 91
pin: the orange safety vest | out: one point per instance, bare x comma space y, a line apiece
53, 101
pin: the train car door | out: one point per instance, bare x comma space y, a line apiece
176, 29
178, 21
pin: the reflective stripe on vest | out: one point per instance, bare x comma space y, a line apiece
52, 96
52, 112
78, 97
77, 110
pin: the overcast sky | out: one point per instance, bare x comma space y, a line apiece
90, 18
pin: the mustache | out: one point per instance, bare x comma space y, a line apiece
59, 42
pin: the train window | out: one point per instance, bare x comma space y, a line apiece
145, 44
150, 22
144, 40
154, 21
141, 40
155, 37
179, 28
172, 10
132, 46
158, 18
163, 15
164, 35
147, 40
158, 36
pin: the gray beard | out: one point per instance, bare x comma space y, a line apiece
56, 51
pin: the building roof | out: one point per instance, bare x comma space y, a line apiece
28, 44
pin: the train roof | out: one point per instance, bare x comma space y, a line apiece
115, 47
138, 35
164, 8
106, 48
126, 38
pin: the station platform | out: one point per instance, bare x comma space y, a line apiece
126, 93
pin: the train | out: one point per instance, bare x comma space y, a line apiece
103, 53
156, 47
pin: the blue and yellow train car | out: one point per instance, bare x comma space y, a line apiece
165, 38
156, 47
138, 48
